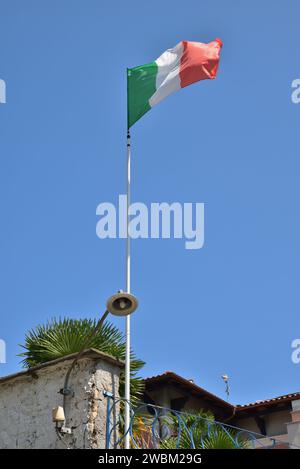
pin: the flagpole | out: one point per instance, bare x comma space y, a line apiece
128, 272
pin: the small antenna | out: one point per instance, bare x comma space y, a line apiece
225, 378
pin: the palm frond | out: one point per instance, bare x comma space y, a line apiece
199, 431
64, 336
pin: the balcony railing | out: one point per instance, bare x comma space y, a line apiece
154, 427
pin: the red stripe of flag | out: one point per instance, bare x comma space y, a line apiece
199, 61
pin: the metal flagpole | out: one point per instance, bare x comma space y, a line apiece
127, 333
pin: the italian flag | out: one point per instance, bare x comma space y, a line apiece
176, 68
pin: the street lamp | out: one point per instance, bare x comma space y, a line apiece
120, 304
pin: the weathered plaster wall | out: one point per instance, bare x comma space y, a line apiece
26, 403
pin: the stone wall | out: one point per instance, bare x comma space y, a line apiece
27, 400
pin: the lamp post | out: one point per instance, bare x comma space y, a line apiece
123, 304
120, 304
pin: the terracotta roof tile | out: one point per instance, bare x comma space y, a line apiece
285, 397
192, 386
195, 387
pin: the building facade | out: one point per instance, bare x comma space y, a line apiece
278, 418
28, 398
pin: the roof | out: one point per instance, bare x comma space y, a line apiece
269, 402
171, 377
89, 353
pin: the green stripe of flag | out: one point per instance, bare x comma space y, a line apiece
141, 85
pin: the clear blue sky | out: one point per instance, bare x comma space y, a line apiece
232, 306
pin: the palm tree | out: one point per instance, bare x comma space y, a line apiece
200, 431
61, 337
